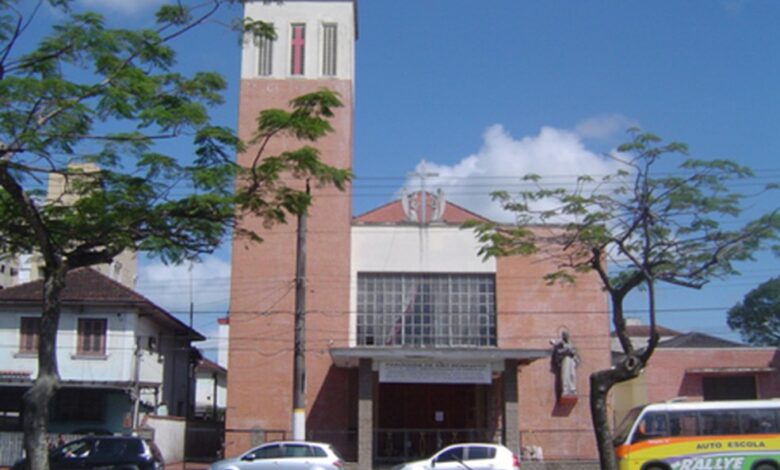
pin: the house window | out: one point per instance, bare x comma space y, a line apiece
419, 309
265, 48
298, 49
329, 33
30, 335
92, 336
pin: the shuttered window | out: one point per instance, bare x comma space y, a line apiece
329, 43
92, 336
30, 335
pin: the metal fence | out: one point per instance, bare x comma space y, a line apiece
204, 441
395, 445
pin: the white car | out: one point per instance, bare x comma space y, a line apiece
284, 455
468, 456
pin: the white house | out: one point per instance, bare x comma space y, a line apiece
111, 343
210, 390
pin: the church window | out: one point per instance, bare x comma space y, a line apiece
426, 309
329, 34
265, 48
298, 49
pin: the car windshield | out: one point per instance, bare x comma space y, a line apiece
72, 450
621, 433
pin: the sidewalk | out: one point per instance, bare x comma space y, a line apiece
189, 466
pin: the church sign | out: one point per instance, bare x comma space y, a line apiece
434, 372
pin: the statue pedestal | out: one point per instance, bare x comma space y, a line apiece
567, 400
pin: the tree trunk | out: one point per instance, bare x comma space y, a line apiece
37, 398
601, 382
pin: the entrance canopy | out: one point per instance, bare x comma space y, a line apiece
350, 357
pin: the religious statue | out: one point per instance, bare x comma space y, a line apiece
565, 361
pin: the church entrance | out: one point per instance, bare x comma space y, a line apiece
415, 420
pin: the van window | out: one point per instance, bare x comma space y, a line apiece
683, 423
621, 433
653, 425
718, 423
758, 421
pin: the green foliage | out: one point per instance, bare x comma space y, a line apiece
88, 93
637, 226
757, 317
667, 227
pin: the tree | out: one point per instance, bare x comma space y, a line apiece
632, 230
757, 317
87, 93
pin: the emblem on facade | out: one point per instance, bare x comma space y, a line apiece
422, 207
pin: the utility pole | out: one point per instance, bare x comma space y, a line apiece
299, 356
137, 383
188, 401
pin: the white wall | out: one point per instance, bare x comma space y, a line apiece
204, 396
314, 14
412, 249
116, 365
151, 355
169, 436
223, 343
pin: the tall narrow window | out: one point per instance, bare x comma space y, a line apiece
298, 49
31, 331
92, 336
265, 48
329, 34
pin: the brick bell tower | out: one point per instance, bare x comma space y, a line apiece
314, 49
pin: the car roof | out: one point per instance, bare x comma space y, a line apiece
296, 442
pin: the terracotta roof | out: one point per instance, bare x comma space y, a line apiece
85, 286
393, 213
699, 340
643, 331
206, 365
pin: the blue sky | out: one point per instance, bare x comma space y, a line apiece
501, 88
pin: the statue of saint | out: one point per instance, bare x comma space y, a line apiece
565, 360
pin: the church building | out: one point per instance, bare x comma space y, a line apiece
412, 340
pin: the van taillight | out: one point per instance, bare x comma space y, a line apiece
515, 462
338, 464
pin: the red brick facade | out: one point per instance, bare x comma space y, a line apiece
262, 289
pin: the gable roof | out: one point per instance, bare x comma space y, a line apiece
207, 365
393, 213
699, 340
643, 331
85, 286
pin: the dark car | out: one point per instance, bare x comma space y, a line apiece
116, 452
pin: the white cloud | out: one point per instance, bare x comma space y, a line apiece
169, 285
558, 155
120, 6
